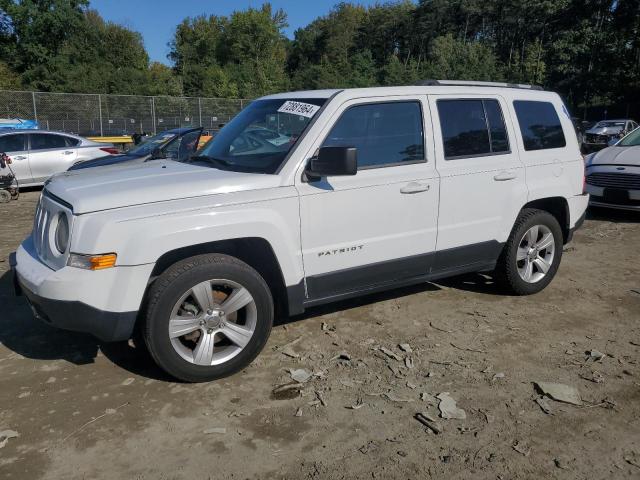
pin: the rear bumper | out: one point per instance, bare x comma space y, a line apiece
577, 211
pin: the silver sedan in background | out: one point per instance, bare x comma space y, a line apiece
613, 174
38, 154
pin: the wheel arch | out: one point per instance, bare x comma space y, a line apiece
254, 251
559, 208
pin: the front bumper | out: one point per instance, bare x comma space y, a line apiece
103, 303
629, 201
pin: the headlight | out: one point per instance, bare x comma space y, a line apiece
62, 233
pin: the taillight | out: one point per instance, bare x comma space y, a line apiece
110, 150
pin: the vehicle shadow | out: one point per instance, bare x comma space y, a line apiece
29, 337
480, 282
612, 215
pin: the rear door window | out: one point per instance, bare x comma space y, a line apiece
12, 143
472, 128
47, 141
539, 125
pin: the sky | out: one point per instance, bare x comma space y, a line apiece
156, 19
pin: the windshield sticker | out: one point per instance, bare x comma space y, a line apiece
299, 108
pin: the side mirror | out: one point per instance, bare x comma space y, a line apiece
333, 161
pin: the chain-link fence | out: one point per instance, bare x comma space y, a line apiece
108, 115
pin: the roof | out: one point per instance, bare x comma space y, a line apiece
616, 120
179, 130
4, 131
425, 87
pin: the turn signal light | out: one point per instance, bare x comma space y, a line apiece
92, 262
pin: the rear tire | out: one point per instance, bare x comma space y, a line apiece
531, 256
207, 317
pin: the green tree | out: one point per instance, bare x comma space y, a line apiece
255, 50
39, 30
456, 60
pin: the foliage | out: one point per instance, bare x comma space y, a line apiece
243, 55
587, 50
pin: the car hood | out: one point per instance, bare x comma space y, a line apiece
604, 130
104, 188
107, 160
616, 156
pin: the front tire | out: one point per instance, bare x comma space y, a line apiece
532, 254
207, 317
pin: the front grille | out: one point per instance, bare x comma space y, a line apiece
594, 138
626, 181
40, 226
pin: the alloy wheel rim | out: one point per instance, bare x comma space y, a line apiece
212, 322
536, 253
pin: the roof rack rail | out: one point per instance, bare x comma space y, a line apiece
472, 83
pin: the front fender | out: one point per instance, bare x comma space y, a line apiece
142, 234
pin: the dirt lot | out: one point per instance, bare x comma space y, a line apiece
87, 410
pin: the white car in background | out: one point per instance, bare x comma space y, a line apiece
38, 154
613, 174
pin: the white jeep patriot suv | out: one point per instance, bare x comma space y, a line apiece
306, 198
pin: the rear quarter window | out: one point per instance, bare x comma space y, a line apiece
539, 125
71, 142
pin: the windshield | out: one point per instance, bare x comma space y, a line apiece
610, 124
631, 140
148, 145
259, 138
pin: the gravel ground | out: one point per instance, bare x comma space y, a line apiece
82, 409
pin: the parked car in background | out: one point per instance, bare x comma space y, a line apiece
38, 154
605, 131
613, 174
18, 124
176, 144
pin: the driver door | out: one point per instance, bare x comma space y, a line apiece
377, 227
15, 146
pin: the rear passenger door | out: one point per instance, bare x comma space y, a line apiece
50, 153
482, 181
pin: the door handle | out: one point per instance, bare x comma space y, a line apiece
68, 152
504, 176
415, 187
19, 157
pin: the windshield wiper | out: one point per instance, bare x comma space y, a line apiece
209, 159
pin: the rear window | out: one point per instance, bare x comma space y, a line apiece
539, 125
472, 128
